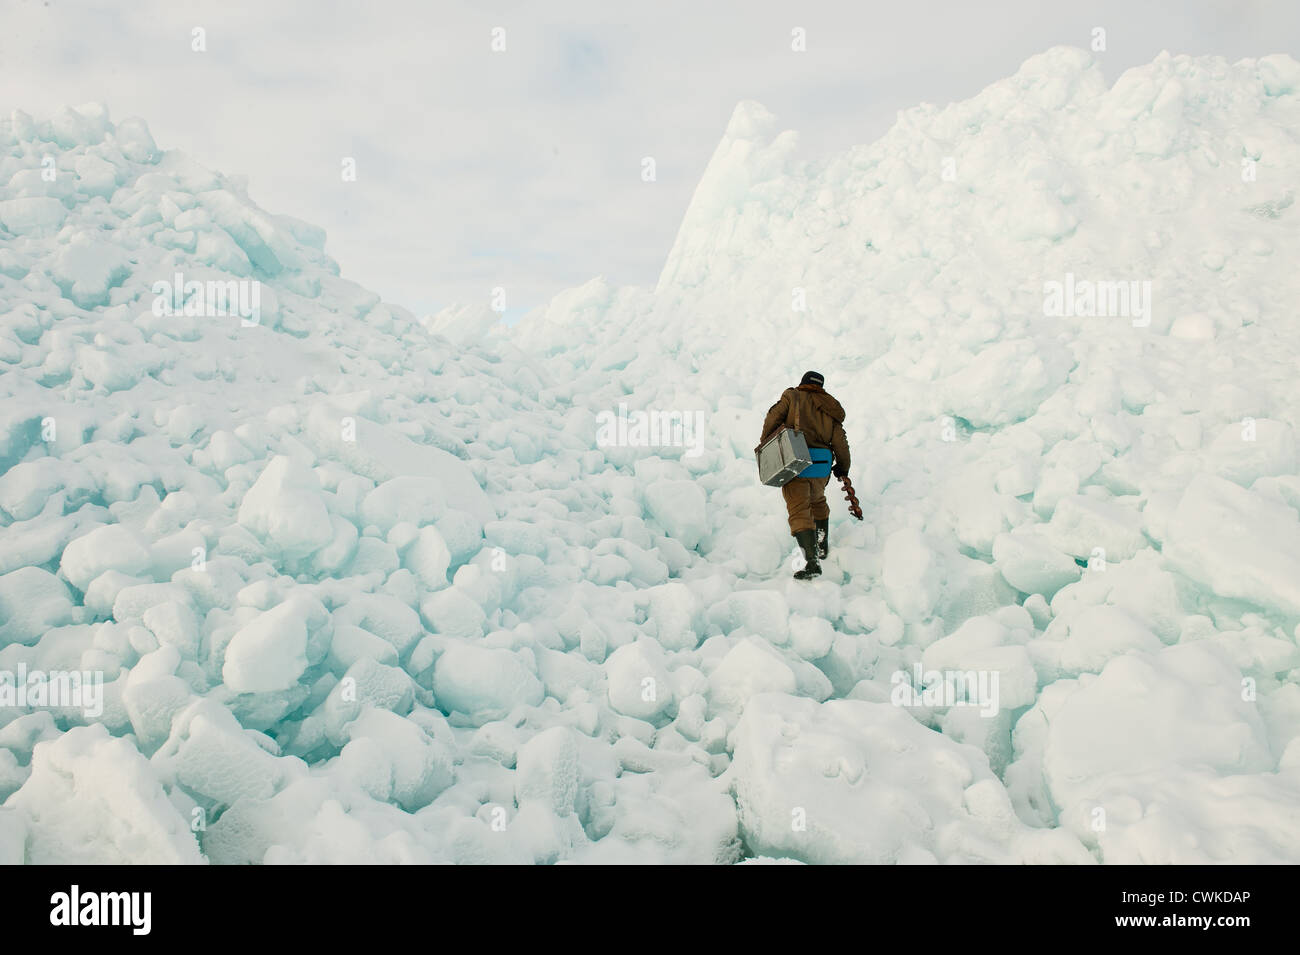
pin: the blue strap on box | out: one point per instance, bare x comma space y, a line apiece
821, 466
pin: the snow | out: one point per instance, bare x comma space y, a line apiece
367, 588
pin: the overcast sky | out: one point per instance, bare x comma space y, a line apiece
522, 168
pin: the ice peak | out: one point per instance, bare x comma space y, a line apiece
749, 154
749, 120
1056, 61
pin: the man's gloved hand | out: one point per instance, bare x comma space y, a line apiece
840, 471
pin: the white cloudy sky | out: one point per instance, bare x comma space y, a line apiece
522, 169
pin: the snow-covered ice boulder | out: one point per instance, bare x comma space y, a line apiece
847, 781
1031, 564
428, 557
482, 683
215, 758
417, 768
88, 269
638, 681
750, 667
1006, 381
912, 576
404, 500
32, 215
1257, 447
672, 608
285, 508
1085, 640
92, 799
382, 454
32, 601
1237, 543
548, 770
1160, 759
1138, 712
111, 547
1084, 526
679, 508
153, 695
270, 652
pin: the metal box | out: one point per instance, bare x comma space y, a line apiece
782, 457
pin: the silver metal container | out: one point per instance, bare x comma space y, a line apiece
782, 457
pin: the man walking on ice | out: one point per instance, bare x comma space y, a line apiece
810, 409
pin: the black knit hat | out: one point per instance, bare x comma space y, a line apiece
812, 378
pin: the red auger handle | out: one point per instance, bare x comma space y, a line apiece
854, 507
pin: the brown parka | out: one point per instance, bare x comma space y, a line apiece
821, 419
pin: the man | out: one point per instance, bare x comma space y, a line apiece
821, 419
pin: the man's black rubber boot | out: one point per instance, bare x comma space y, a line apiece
807, 541
823, 537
